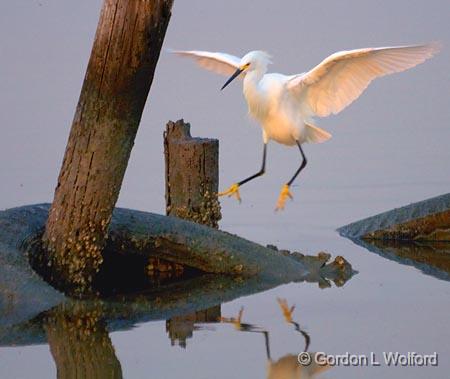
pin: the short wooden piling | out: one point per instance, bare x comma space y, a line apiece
192, 175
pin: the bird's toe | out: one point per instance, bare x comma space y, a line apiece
287, 311
232, 191
284, 195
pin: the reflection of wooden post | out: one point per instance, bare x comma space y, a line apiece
192, 175
80, 344
211, 314
180, 328
118, 77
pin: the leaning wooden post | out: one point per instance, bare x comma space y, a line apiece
118, 78
192, 175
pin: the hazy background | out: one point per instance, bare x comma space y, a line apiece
389, 148
396, 134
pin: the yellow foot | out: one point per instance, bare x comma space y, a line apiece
232, 191
284, 194
287, 312
236, 321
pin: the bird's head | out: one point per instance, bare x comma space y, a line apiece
252, 61
256, 60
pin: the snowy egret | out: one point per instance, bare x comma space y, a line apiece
285, 105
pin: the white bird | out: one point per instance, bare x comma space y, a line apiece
285, 105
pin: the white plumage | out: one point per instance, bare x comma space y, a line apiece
285, 105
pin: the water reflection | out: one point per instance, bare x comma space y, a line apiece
79, 342
78, 336
180, 328
77, 331
288, 366
431, 258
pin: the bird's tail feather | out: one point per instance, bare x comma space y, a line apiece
315, 134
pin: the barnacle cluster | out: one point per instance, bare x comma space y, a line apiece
207, 212
78, 257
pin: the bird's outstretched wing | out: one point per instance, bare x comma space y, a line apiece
220, 63
341, 78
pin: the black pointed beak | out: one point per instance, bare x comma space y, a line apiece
232, 77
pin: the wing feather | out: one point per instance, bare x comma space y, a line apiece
220, 63
342, 77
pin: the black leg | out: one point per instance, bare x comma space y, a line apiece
302, 166
304, 334
266, 339
260, 172
254, 329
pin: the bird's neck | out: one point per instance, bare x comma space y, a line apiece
253, 93
253, 78
251, 82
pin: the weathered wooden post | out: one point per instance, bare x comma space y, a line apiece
192, 175
118, 78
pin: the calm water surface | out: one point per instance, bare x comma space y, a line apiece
386, 307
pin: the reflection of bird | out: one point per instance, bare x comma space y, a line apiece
286, 104
288, 366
